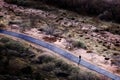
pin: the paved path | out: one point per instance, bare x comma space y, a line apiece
63, 53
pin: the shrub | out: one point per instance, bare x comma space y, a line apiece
79, 44
15, 65
20, 2
115, 29
15, 46
13, 53
62, 74
49, 29
4, 40
58, 63
45, 59
63, 66
38, 76
85, 7
48, 66
83, 76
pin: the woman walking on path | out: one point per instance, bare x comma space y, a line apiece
79, 59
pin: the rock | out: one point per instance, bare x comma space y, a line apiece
88, 27
85, 28
52, 16
93, 28
14, 26
94, 34
104, 27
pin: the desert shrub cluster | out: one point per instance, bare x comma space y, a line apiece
21, 2
16, 63
79, 44
104, 9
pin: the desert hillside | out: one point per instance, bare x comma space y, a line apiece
108, 10
86, 28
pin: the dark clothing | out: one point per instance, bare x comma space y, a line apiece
79, 60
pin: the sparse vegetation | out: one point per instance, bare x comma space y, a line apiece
21, 2
49, 29
114, 28
105, 10
79, 44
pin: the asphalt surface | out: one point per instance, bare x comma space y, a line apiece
63, 53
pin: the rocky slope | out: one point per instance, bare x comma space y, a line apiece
95, 36
105, 9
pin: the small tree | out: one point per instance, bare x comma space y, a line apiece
79, 44
50, 26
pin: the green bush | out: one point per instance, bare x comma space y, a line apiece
83, 76
45, 59
63, 66
13, 45
4, 40
79, 44
48, 66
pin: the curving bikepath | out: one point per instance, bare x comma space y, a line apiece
62, 53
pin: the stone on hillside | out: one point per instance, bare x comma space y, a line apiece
52, 16
88, 28
15, 26
94, 34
